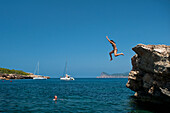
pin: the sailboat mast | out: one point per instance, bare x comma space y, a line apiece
38, 67
66, 67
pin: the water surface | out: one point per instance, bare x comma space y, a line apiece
81, 95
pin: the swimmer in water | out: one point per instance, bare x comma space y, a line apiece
114, 49
55, 98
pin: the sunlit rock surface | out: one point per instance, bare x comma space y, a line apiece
150, 74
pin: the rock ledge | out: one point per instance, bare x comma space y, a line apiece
150, 74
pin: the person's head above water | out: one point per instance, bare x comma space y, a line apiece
55, 97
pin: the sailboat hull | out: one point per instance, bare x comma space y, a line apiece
39, 78
65, 78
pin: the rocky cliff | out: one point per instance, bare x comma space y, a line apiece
150, 74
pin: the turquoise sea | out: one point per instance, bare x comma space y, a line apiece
82, 95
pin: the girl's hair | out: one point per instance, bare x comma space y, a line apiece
112, 41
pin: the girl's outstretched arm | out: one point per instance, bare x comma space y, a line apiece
109, 39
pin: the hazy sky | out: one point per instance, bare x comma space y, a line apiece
51, 31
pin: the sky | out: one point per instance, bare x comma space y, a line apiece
55, 31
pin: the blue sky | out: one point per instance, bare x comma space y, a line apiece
51, 31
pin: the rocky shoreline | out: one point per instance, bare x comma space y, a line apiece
5, 76
150, 74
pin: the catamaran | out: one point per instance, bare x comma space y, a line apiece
66, 77
38, 78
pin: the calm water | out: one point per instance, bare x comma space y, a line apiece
81, 95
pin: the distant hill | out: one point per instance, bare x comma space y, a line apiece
9, 71
6, 74
115, 75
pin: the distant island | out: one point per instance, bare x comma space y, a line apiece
116, 75
6, 74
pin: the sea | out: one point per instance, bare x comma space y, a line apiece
84, 95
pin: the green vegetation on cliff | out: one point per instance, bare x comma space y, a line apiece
8, 71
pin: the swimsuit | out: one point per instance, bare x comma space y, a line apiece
114, 47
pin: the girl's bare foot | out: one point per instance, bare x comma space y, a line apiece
111, 59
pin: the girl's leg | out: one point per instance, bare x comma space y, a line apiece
115, 53
111, 55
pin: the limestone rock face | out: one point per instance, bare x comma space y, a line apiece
150, 74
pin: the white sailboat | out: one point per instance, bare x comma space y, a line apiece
39, 77
66, 77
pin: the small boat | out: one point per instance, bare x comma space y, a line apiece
39, 77
66, 77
